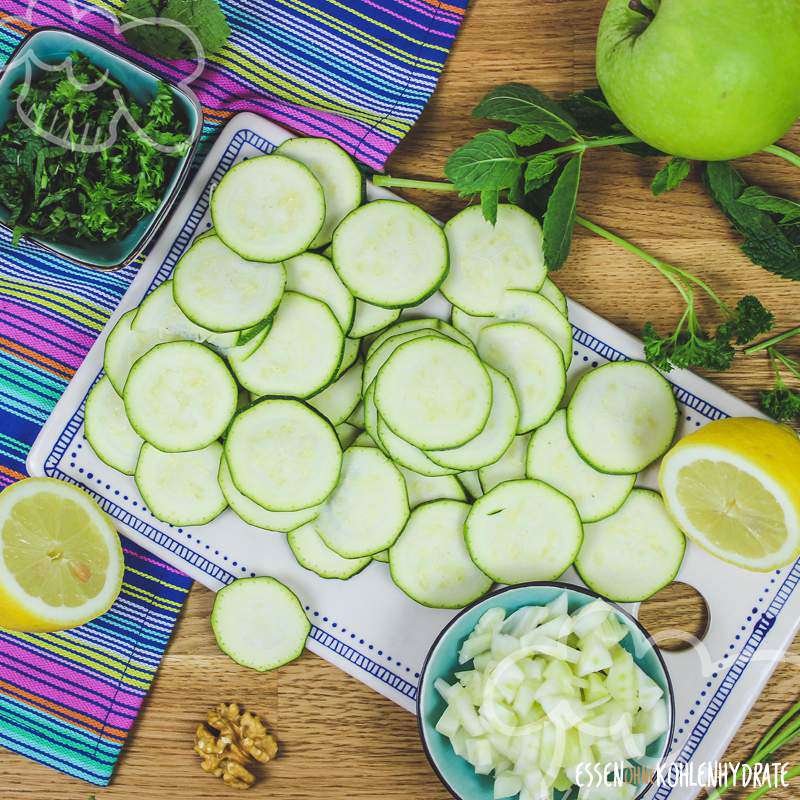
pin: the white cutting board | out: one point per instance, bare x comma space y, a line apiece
366, 626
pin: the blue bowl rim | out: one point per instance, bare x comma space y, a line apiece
169, 200
550, 585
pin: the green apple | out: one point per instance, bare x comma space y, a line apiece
704, 79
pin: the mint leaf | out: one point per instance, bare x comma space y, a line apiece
756, 197
489, 200
488, 161
203, 17
670, 176
766, 243
524, 105
539, 170
559, 219
527, 135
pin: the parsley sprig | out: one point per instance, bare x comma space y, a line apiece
781, 402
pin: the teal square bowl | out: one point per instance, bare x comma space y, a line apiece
455, 772
52, 46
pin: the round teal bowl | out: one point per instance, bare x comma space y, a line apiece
442, 662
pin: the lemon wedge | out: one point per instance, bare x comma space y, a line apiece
734, 488
60, 557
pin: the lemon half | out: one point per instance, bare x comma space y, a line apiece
60, 557
734, 488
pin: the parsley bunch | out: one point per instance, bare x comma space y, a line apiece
71, 188
781, 402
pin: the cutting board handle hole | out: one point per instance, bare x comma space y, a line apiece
660, 615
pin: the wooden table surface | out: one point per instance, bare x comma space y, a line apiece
340, 740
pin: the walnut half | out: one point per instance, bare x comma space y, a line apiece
229, 741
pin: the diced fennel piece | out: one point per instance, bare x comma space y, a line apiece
559, 627
504, 645
591, 616
490, 621
444, 689
459, 743
558, 607
652, 723
448, 724
594, 657
506, 784
596, 688
485, 662
621, 680
649, 691
480, 754
523, 620
473, 646
524, 699
635, 745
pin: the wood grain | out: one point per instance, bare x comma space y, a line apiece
340, 740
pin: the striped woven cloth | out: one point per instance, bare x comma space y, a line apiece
357, 71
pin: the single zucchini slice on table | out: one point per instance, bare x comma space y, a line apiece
123, 347
313, 554
430, 562
180, 396
181, 488
368, 319
108, 430
390, 253
523, 530
368, 508
283, 455
314, 276
622, 417
634, 553
554, 295
219, 290
268, 208
259, 623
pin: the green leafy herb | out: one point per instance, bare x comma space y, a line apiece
780, 402
489, 201
670, 176
524, 105
80, 188
539, 170
559, 219
756, 197
526, 135
204, 18
766, 243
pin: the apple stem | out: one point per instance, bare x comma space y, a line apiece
641, 8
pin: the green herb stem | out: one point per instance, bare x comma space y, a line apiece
769, 343
782, 152
787, 362
586, 144
409, 183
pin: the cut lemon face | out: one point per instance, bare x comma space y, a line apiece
60, 557
734, 488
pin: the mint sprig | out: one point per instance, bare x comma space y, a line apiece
671, 176
559, 219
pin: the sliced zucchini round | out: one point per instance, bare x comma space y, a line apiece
430, 562
259, 623
487, 259
283, 455
301, 353
368, 508
376, 359
123, 347
181, 488
490, 444
634, 553
408, 325
268, 208
434, 393
180, 396
314, 276
550, 291
407, 454
221, 291
422, 488
509, 467
521, 306
552, 458
253, 514
341, 180
108, 430
338, 400
390, 253
368, 318
532, 363
522, 531
313, 554
622, 417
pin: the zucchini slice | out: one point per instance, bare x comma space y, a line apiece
314, 276
368, 508
552, 458
124, 346
408, 325
377, 358
622, 417
301, 353
108, 430
180, 396
181, 488
434, 393
523, 530
430, 562
253, 514
221, 291
532, 363
634, 553
259, 623
510, 466
486, 259
283, 455
422, 489
314, 555
268, 208
554, 295
390, 253
405, 453
341, 180
368, 319
490, 444
338, 400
